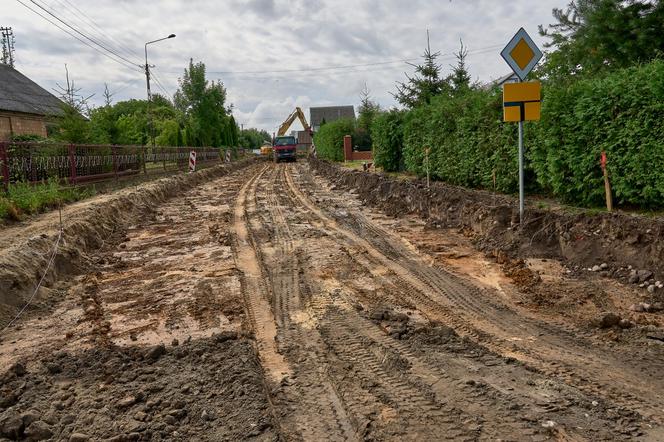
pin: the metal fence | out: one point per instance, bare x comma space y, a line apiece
78, 163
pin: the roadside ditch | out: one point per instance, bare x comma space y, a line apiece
87, 226
614, 245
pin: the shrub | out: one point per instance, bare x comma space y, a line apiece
468, 141
622, 114
387, 137
329, 139
25, 198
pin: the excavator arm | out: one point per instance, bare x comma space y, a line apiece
297, 113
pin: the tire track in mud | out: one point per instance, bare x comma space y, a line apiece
382, 402
441, 295
309, 407
418, 395
253, 286
552, 348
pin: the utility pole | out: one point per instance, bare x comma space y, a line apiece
149, 114
7, 36
147, 80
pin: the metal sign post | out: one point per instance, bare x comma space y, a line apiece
521, 100
522, 192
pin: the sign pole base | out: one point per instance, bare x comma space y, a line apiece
522, 193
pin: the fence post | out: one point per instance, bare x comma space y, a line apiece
72, 164
163, 156
5, 165
144, 159
115, 161
33, 168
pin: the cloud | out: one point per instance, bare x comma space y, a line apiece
268, 36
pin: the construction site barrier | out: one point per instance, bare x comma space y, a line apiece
81, 163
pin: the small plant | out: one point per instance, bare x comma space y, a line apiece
26, 199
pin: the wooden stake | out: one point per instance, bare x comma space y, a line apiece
607, 188
426, 152
607, 184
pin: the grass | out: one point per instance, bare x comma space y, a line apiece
354, 164
26, 199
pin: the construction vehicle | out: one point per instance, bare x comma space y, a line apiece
297, 113
266, 149
285, 147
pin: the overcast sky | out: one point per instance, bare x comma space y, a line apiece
243, 43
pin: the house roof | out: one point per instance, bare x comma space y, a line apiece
507, 78
330, 113
20, 94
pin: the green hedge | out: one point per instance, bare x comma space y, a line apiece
622, 114
469, 142
387, 136
329, 139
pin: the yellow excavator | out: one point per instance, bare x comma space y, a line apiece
297, 113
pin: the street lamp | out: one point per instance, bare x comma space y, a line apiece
147, 78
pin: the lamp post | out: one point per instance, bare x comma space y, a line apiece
147, 79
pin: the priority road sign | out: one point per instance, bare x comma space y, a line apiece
522, 54
522, 101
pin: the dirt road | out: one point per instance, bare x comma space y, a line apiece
267, 305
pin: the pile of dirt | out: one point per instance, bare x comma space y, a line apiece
610, 240
88, 227
207, 389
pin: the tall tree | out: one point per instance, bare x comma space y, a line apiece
426, 84
590, 36
72, 125
368, 109
202, 104
459, 80
108, 96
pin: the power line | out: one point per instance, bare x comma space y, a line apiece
82, 34
91, 24
315, 69
348, 68
303, 75
158, 82
133, 67
121, 46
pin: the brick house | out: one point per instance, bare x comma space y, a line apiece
329, 114
25, 107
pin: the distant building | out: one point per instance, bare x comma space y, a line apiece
508, 78
329, 114
25, 107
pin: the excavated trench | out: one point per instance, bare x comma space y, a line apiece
268, 304
620, 240
88, 225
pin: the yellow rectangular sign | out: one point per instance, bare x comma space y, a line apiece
531, 91
522, 101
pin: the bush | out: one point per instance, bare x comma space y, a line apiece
329, 139
469, 144
387, 136
25, 198
622, 114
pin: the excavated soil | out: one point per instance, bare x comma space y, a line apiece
25, 248
269, 304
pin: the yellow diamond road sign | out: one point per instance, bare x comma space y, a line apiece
522, 54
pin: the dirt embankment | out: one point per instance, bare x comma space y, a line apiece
610, 243
133, 393
87, 226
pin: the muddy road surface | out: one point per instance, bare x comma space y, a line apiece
268, 305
